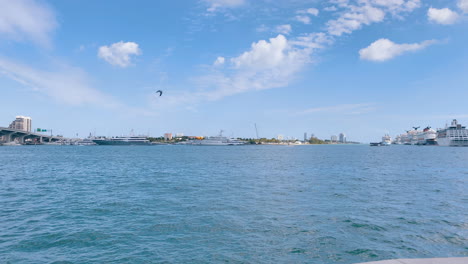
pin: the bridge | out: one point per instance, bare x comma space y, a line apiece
23, 137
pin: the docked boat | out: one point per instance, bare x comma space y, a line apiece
454, 135
123, 141
386, 140
218, 140
427, 136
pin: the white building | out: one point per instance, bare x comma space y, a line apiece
342, 138
280, 137
21, 123
334, 138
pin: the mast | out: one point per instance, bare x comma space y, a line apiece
256, 130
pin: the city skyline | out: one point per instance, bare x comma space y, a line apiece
364, 67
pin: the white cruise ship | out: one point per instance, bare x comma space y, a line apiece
427, 136
386, 140
454, 135
219, 140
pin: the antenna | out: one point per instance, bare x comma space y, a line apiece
256, 130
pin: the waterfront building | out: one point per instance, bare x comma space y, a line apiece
342, 138
334, 138
21, 123
179, 135
305, 136
167, 136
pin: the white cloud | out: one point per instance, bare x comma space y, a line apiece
463, 5
304, 15
350, 109
310, 11
27, 19
265, 55
330, 8
267, 64
119, 54
219, 61
66, 85
366, 12
215, 5
303, 19
384, 49
442, 16
284, 29
354, 19
395, 6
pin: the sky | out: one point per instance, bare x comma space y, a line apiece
360, 67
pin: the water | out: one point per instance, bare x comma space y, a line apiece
245, 204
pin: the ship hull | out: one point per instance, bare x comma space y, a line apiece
121, 143
447, 142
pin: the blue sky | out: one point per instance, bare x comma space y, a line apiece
362, 67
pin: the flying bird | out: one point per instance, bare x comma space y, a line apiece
160, 92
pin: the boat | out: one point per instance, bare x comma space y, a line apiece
12, 143
427, 136
454, 135
123, 141
218, 140
386, 140
85, 142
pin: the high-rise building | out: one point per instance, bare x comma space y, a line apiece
168, 136
305, 136
342, 138
334, 138
21, 123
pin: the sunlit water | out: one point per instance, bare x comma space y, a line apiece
236, 204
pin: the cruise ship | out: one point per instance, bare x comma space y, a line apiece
218, 140
454, 135
123, 141
386, 140
427, 136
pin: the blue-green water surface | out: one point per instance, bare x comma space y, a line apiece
234, 204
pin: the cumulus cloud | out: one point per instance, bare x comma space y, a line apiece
219, 61
284, 29
27, 20
215, 5
442, 16
119, 54
267, 64
384, 49
463, 5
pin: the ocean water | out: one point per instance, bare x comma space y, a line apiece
235, 204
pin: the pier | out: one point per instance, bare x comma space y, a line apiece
9, 135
